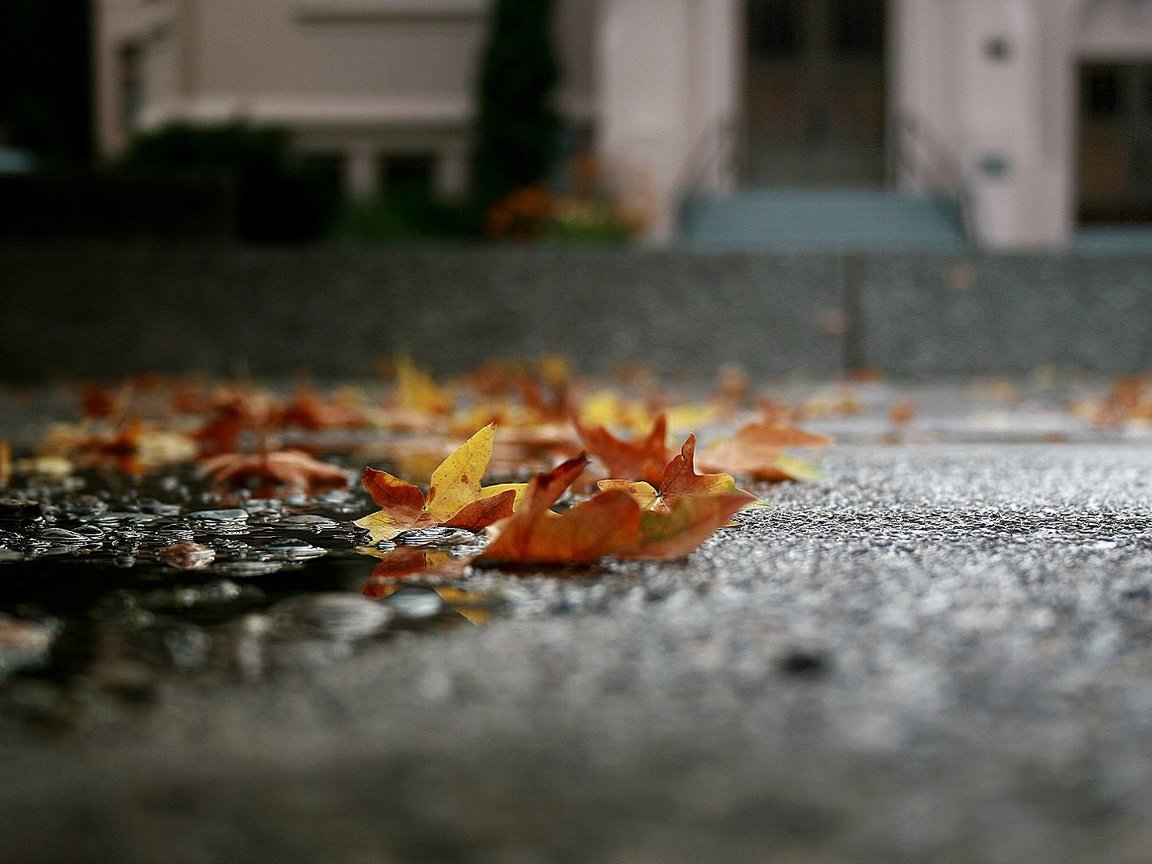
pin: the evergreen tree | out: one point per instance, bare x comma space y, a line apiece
517, 134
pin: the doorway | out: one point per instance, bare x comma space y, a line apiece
1115, 164
815, 92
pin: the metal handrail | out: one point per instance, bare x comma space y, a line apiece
923, 155
717, 152
931, 163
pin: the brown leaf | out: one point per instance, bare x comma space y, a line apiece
483, 512
610, 524
902, 412
604, 525
401, 503
640, 459
687, 521
237, 410
309, 410
680, 477
757, 450
280, 469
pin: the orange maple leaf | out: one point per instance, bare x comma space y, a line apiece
237, 411
611, 523
606, 524
642, 458
309, 410
279, 469
758, 450
679, 478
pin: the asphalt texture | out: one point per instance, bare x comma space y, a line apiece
941, 653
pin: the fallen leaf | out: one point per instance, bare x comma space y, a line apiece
309, 410
732, 388
45, 466
611, 523
687, 522
639, 459
689, 416
133, 447
280, 469
606, 524
455, 497
401, 506
679, 478
237, 410
902, 412
456, 482
609, 408
103, 403
417, 400
758, 450
547, 401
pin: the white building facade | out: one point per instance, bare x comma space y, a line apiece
1037, 114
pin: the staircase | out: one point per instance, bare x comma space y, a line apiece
819, 220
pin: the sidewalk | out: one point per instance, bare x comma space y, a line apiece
941, 653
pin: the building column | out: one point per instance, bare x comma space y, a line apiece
642, 48
362, 173
667, 72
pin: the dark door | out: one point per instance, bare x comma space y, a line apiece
814, 102
1116, 141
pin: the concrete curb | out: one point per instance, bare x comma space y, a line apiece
108, 309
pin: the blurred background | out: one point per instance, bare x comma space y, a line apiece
837, 128
739, 123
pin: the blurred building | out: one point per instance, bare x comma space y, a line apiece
1026, 117
384, 87
45, 97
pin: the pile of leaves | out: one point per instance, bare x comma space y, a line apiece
1126, 404
588, 471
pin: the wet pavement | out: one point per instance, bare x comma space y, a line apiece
942, 652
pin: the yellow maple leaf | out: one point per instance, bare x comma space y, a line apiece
455, 497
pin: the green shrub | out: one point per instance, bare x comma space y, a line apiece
406, 213
276, 199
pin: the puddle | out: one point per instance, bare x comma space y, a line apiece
114, 588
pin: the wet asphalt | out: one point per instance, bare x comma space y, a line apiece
941, 653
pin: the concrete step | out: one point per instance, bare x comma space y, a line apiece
820, 220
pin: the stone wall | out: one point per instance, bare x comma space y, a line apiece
109, 309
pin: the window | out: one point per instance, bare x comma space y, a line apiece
775, 28
1102, 93
858, 26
